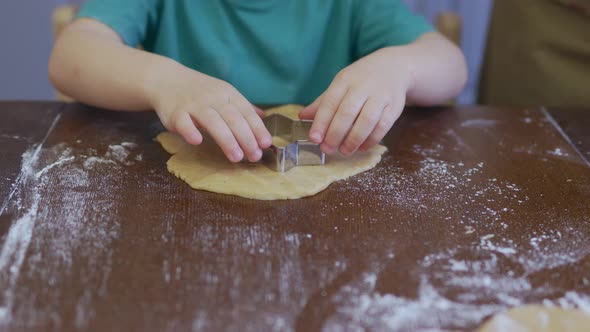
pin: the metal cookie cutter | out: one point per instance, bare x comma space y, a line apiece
300, 151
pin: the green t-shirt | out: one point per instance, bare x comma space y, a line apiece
272, 51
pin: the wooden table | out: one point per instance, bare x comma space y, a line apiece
471, 211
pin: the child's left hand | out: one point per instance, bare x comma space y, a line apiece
361, 104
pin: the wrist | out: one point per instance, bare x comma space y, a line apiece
156, 79
400, 64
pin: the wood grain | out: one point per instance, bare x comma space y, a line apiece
471, 211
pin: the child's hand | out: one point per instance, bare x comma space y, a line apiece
361, 104
186, 100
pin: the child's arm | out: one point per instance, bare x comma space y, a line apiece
91, 64
367, 97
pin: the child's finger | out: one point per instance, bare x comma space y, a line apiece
385, 123
254, 120
186, 128
364, 125
219, 130
343, 120
241, 131
308, 113
258, 110
263, 137
328, 106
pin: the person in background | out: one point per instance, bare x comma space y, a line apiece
204, 64
538, 53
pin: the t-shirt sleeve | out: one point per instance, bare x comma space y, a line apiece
130, 19
382, 23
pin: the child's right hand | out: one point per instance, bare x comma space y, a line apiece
185, 100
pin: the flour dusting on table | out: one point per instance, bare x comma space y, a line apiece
66, 223
455, 292
65, 227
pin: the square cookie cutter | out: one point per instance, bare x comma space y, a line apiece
299, 152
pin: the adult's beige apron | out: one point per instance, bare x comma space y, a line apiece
538, 53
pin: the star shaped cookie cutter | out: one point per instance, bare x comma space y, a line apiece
300, 151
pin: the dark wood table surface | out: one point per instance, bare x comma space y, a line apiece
471, 211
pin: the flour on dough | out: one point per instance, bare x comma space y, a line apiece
536, 318
205, 167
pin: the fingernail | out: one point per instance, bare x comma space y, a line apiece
326, 148
257, 155
315, 136
196, 139
237, 155
345, 151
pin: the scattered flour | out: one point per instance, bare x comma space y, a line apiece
455, 185
55, 164
80, 227
479, 123
278, 296
119, 153
92, 162
455, 292
129, 145
363, 309
116, 154
14, 137
558, 152
480, 286
19, 234
573, 300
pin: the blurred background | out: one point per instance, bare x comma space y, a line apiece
27, 39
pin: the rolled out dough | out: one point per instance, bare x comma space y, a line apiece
205, 167
536, 318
